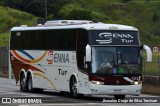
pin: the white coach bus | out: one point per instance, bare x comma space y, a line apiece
79, 57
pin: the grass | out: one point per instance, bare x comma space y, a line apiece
151, 68
4, 39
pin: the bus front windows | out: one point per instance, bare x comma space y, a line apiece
103, 59
129, 60
116, 60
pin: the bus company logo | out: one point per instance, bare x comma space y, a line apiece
50, 57
57, 57
106, 37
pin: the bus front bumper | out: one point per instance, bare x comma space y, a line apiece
115, 89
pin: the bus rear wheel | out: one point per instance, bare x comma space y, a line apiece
23, 86
30, 84
119, 97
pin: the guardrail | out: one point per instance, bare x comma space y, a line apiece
151, 80
151, 84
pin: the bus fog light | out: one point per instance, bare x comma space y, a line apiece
97, 82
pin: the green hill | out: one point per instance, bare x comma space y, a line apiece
142, 14
9, 18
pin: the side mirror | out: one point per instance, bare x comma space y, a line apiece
149, 53
88, 53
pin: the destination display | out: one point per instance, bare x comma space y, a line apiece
113, 37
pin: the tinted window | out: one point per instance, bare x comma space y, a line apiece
62, 39
20, 40
51, 39
72, 35
14, 41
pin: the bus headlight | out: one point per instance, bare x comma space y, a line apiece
136, 82
97, 82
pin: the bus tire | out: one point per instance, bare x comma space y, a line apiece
119, 97
73, 87
30, 84
23, 86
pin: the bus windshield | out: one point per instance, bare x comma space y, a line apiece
116, 60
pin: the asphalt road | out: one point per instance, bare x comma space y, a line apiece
9, 92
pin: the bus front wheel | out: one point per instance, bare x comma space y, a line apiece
73, 87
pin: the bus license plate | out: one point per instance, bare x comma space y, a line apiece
117, 90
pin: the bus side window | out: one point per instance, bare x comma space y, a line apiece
51, 40
15, 40
72, 35
61, 39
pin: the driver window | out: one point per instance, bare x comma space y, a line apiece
106, 61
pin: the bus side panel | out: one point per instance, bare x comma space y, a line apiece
51, 69
60, 69
85, 83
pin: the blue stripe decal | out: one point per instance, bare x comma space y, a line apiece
22, 51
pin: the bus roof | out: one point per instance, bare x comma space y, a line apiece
88, 25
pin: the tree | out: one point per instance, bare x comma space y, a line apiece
80, 14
